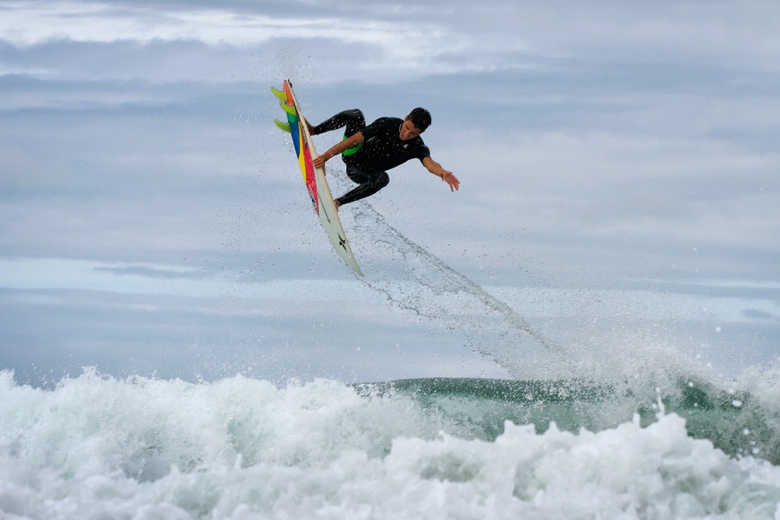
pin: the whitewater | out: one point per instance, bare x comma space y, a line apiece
139, 448
639, 433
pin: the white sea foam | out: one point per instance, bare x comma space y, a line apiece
98, 447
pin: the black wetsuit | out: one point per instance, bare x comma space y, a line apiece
382, 149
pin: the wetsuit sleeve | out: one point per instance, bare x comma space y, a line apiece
423, 152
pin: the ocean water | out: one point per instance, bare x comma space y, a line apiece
239, 448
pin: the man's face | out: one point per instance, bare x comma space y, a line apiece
408, 130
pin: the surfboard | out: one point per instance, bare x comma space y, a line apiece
314, 178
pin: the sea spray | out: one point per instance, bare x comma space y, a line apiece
416, 280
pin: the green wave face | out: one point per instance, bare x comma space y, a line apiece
734, 422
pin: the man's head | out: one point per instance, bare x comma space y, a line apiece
415, 123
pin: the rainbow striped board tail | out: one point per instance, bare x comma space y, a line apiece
313, 178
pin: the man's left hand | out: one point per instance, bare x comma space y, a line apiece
450, 179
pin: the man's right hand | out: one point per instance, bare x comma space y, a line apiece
320, 160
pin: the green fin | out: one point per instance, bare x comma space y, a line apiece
280, 94
282, 126
289, 109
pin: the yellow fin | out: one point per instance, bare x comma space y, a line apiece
280, 94
289, 109
282, 126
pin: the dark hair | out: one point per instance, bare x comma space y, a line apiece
420, 118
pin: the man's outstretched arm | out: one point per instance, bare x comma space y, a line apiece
353, 140
445, 175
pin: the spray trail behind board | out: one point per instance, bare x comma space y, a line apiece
414, 279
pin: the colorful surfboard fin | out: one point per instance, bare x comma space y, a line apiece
280, 94
294, 125
283, 126
289, 109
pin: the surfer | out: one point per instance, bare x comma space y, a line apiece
369, 151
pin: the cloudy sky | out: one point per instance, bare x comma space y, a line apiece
619, 162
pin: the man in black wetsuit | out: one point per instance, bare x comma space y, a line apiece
368, 151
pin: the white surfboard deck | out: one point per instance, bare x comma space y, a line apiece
324, 205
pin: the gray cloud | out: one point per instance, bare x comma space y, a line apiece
605, 146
